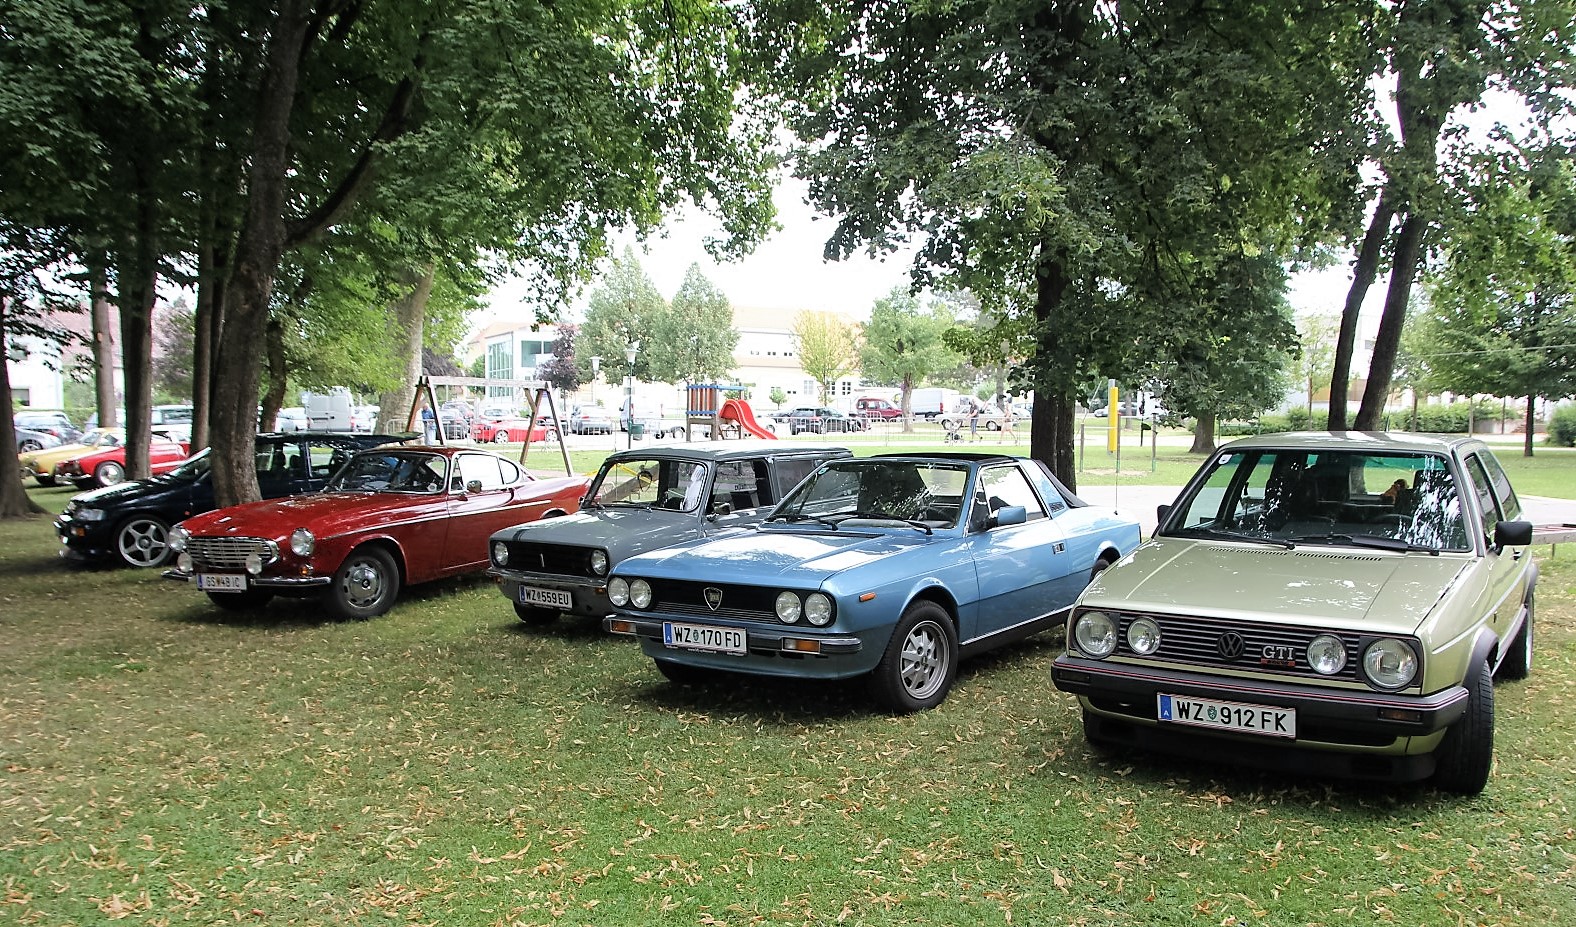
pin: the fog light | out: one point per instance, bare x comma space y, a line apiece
254, 563
184, 563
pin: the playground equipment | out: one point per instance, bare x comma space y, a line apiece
726, 418
424, 398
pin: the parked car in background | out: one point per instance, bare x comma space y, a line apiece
455, 427
890, 568
28, 440
49, 421
290, 419
173, 422
638, 501
1332, 603
390, 517
364, 419
822, 420
512, 431
130, 522
879, 409
40, 465
589, 420
973, 413
106, 466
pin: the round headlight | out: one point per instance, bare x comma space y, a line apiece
177, 538
1094, 633
818, 609
789, 608
1326, 655
500, 553
302, 543
1143, 636
599, 562
640, 594
618, 591
254, 563
1389, 663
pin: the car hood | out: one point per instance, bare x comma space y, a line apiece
1310, 585
621, 530
327, 514
132, 491
773, 556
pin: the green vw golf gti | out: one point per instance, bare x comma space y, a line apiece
1338, 603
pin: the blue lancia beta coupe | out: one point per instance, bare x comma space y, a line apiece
891, 567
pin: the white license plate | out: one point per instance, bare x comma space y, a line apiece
1229, 716
221, 582
703, 637
552, 598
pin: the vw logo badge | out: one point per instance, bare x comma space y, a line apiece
1231, 645
713, 597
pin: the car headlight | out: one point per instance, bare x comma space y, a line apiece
618, 591
88, 515
1389, 663
500, 553
1094, 633
177, 538
789, 608
302, 542
1326, 655
640, 594
184, 563
818, 609
599, 562
1143, 636
254, 563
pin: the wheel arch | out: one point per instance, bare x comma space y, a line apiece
387, 545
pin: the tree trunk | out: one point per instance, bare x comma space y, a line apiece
207, 321
906, 404
1532, 424
407, 329
14, 500
257, 254
1363, 274
1403, 267
103, 346
278, 376
1051, 425
138, 286
1203, 433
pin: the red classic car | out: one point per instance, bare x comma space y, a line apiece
512, 429
390, 517
107, 467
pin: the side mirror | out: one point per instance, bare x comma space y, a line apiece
1010, 515
1161, 511
473, 486
1512, 534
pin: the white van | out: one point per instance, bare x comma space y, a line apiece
330, 411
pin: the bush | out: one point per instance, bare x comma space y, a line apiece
1562, 427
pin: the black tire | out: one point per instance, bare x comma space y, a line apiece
109, 473
993, 426
920, 663
1465, 756
1517, 662
683, 674
44, 479
500, 437
143, 541
29, 445
1100, 566
364, 586
535, 616
250, 600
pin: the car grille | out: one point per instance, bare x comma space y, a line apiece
749, 602
228, 553
1198, 641
550, 558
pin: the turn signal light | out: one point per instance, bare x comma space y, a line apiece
620, 626
797, 645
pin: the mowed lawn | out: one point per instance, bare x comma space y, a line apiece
162, 762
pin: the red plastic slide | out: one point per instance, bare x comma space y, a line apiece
734, 410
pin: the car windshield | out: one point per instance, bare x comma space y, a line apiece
654, 482
1393, 500
901, 490
194, 468
385, 471
101, 439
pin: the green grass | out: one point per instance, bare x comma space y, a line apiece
164, 763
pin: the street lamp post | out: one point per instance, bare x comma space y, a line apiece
629, 390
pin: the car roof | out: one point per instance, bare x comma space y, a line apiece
1356, 441
732, 450
355, 439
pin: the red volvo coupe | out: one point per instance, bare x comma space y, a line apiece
391, 517
107, 466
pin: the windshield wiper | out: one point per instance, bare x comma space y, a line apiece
1238, 536
1376, 541
799, 517
884, 516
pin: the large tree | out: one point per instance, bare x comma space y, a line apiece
902, 344
827, 348
624, 310
695, 337
1057, 159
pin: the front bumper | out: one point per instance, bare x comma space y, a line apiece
1327, 718
779, 651
84, 540
281, 584
587, 596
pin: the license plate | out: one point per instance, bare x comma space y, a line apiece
552, 598
1229, 716
703, 637
221, 582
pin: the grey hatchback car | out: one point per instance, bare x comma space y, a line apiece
642, 500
